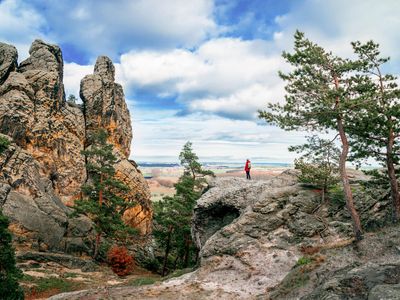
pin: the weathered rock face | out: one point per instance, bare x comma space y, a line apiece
105, 106
34, 113
274, 239
38, 214
8, 60
44, 169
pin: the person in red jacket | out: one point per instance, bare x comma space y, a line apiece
247, 168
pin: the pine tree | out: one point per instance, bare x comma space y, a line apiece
102, 196
72, 99
319, 97
376, 129
319, 163
173, 215
9, 273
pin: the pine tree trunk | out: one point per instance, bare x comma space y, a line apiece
343, 173
187, 249
394, 187
176, 261
101, 190
345, 181
96, 246
167, 248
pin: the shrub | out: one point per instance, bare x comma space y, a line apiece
120, 261
303, 261
9, 273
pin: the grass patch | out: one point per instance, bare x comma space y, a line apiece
46, 287
70, 275
142, 281
303, 261
178, 273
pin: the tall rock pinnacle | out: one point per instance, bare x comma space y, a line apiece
105, 106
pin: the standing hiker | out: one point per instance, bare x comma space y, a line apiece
247, 168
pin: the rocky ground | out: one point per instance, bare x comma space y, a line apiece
273, 239
47, 274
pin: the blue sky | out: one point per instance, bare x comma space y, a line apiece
198, 70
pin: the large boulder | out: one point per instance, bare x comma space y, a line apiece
370, 281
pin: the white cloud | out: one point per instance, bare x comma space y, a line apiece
225, 76
241, 104
73, 74
113, 27
335, 23
19, 25
162, 134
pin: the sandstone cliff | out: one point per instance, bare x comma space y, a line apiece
273, 239
44, 169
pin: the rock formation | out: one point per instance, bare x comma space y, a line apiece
274, 239
105, 107
33, 111
44, 169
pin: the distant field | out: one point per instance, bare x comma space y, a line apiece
162, 177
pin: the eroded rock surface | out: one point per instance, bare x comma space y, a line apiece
38, 215
105, 105
34, 113
44, 169
274, 239
8, 60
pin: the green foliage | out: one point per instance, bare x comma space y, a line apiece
173, 215
4, 143
319, 163
313, 101
336, 197
9, 273
323, 93
70, 275
142, 281
190, 162
72, 99
45, 287
50, 283
103, 194
379, 121
303, 261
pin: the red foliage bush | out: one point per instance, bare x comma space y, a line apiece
120, 261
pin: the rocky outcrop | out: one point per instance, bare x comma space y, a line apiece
40, 219
8, 60
34, 113
44, 169
105, 106
274, 239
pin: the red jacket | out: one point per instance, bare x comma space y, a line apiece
247, 167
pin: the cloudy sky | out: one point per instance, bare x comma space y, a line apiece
198, 70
